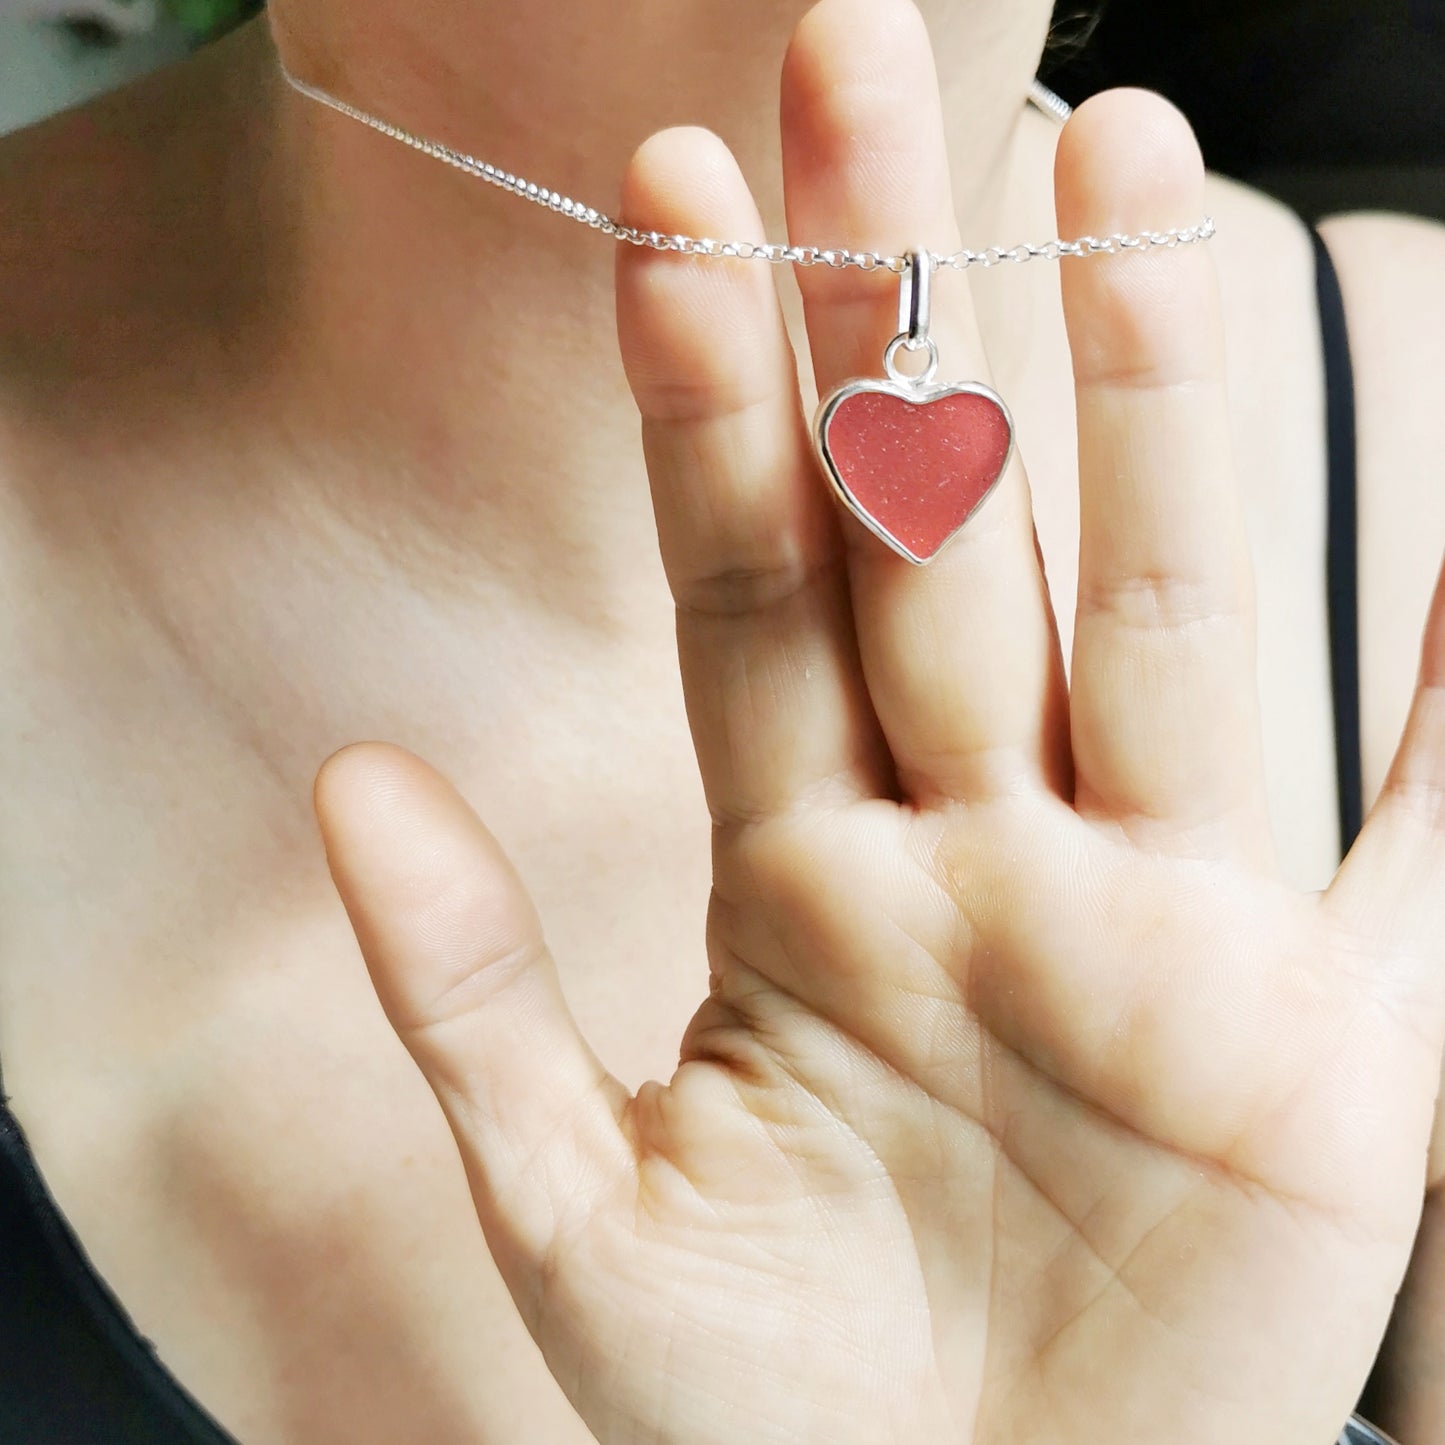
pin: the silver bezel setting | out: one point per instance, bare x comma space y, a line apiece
919, 394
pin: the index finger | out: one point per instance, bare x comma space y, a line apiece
765, 638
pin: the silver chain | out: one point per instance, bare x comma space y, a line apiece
776, 252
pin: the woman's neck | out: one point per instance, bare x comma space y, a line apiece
502, 311
434, 360
565, 91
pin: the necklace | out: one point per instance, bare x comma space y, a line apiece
965, 424
949, 441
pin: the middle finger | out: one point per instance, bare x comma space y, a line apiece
961, 656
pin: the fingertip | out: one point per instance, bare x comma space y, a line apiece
684, 179
360, 777
1127, 161
864, 157
395, 830
354, 760
700, 334
1147, 317
839, 42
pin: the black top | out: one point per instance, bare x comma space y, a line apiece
1341, 569
73, 1368
1270, 85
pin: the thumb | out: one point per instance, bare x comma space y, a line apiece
456, 954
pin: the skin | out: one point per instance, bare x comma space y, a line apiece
255, 510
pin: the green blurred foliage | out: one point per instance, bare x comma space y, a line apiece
204, 18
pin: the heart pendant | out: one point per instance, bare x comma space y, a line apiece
912, 462
910, 459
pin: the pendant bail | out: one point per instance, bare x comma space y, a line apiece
913, 316
913, 299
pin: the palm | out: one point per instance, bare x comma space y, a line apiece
965, 1204
1027, 1104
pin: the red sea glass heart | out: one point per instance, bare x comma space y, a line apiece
913, 462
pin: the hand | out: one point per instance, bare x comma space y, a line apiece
1407, 1390
1028, 1104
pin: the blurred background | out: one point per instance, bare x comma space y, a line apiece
1329, 104
56, 53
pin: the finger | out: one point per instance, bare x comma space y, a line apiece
769, 663
961, 656
1390, 888
456, 954
1164, 693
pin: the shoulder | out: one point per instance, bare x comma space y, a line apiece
1391, 256
1264, 258
1392, 278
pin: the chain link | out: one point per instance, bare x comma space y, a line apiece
774, 252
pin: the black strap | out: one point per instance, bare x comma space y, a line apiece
73, 1368
1342, 560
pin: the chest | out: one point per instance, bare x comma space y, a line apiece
189, 1035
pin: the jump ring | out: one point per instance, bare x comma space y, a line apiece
890, 360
